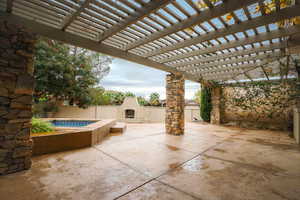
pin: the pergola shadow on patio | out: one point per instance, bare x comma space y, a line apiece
208, 162
203, 41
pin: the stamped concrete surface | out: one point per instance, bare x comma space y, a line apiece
209, 163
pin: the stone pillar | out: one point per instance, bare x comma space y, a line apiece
175, 104
215, 115
296, 113
16, 89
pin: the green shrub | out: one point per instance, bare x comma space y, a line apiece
40, 126
205, 104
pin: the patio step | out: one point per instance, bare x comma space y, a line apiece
119, 127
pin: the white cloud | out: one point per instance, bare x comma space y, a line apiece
141, 80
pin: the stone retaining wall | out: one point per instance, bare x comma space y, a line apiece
264, 106
16, 89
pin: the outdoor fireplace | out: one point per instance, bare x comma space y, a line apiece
131, 110
129, 113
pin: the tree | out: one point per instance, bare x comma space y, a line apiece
197, 97
205, 106
154, 99
65, 72
99, 97
142, 101
129, 94
116, 98
100, 64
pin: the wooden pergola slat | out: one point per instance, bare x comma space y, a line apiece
214, 68
70, 19
210, 66
238, 70
206, 15
88, 44
152, 6
259, 21
261, 37
230, 55
154, 33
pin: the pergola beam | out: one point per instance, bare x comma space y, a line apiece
152, 6
76, 40
209, 66
249, 24
258, 38
217, 11
232, 54
70, 19
238, 70
234, 67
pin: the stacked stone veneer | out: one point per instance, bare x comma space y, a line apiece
269, 108
215, 115
16, 88
175, 104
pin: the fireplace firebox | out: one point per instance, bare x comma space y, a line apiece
129, 113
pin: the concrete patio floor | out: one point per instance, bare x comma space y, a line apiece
208, 163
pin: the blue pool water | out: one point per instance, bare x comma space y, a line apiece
71, 123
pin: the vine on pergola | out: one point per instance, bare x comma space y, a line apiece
268, 7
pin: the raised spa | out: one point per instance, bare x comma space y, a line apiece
71, 123
71, 133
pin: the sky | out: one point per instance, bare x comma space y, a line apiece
127, 76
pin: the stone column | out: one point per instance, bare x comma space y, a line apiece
175, 104
296, 113
16, 89
215, 115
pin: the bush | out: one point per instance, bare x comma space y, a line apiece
205, 104
142, 101
154, 99
39, 126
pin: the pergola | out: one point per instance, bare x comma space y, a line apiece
206, 41
177, 36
